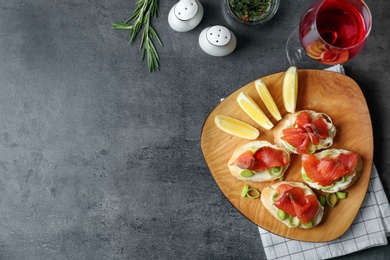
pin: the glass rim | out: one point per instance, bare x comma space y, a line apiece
369, 25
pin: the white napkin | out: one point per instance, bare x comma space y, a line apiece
369, 229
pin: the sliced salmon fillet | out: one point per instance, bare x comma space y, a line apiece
320, 128
305, 131
262, 159
350, 161
308, 210
303, 118
246, 160
293, 201
327, 170
298, 138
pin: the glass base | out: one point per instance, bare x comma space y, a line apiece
297, 56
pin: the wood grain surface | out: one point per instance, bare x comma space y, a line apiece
334, 94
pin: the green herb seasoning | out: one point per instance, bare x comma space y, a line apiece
250, 11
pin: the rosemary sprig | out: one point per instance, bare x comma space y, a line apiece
141, 18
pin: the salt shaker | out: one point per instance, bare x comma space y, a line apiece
185, 15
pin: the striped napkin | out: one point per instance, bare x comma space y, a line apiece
369, 229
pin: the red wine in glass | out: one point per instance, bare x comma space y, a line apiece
334, 31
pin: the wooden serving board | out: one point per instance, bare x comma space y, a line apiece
334, 94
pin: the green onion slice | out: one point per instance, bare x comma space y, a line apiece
322, 200
256, 193
252, 149
341, 195
276, 170
246, 173
274, 197
294, 221
308, 225
327, 187
246, 192
342, 179
331, 199
289, 146
305, 178
282, 215
329, 154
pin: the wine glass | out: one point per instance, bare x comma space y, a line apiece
330, 32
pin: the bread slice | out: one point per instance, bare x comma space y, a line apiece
258, 176
338, 185
268, 197
289, 121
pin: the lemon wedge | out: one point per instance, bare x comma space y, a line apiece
236, 127
267, 99
254, 111
290, 89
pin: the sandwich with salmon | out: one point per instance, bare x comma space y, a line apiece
293, 203
259, 161
331, 170
305, 132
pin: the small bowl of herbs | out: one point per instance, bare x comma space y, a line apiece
252, 12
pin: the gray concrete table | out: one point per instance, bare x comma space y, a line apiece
100, 159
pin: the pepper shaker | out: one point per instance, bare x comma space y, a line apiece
217, 41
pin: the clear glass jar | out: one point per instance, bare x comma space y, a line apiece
252, 12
